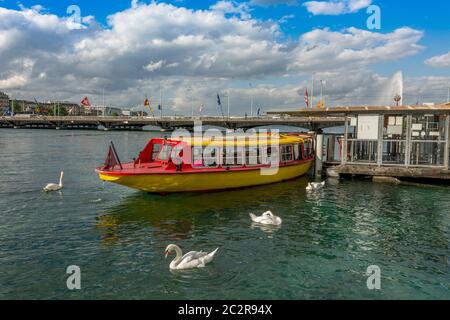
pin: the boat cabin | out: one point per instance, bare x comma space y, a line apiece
225, 154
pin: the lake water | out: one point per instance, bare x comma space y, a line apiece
117, 236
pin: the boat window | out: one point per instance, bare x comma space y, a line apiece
308, 148
297, 152
286, 153
205, 157
252, 156
239, 156
233, 157
269, 155
210, 157
164, 155
155, 151
197, 157
229, 156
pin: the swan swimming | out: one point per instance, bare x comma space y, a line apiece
267, 218
314, 186
190, 260
55, 187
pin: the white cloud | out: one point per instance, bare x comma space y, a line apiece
323, 49
206, 49
336, 7
153, 66
232, 7
439, 61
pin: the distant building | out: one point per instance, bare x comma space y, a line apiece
4, 102
62, 108
102, 111
131, 113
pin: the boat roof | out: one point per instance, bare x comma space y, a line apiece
244, 140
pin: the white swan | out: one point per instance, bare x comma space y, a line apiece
55, 187
190, 260
313, 186
267, 218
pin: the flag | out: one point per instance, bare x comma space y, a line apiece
219, 104
159, 107
7, 112
147, 102
200, 109
307, 98
111, 160
259, 112
85, 102
320, 104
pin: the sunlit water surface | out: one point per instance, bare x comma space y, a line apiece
117, 236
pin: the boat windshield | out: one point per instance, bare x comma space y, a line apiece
164, 155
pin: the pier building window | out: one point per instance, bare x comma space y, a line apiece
362, 144
395, 127
428, 140
428, 154
395, 130
287, 153
362, 151
394, 152
428, 128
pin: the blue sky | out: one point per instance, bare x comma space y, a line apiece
414, 37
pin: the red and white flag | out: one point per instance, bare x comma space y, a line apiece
307, 98
85, 102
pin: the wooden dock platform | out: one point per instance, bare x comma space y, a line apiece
395, 172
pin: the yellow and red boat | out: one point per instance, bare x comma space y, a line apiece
187, 165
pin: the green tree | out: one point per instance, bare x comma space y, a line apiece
15, 106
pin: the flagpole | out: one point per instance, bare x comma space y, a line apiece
251, 101
228, 96
192, 103
160, 100
312, 92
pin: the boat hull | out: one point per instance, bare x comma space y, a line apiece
204, 181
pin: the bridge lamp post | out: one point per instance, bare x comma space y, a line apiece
191, 98
322, 84
228, 98
227, 95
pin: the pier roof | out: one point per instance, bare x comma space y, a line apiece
342, 111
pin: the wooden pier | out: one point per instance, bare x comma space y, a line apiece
401, 142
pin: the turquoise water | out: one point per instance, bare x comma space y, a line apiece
118, 236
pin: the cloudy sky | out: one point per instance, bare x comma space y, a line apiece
268, 49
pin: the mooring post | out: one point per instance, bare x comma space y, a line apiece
344, 150
447, 141
319, 154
